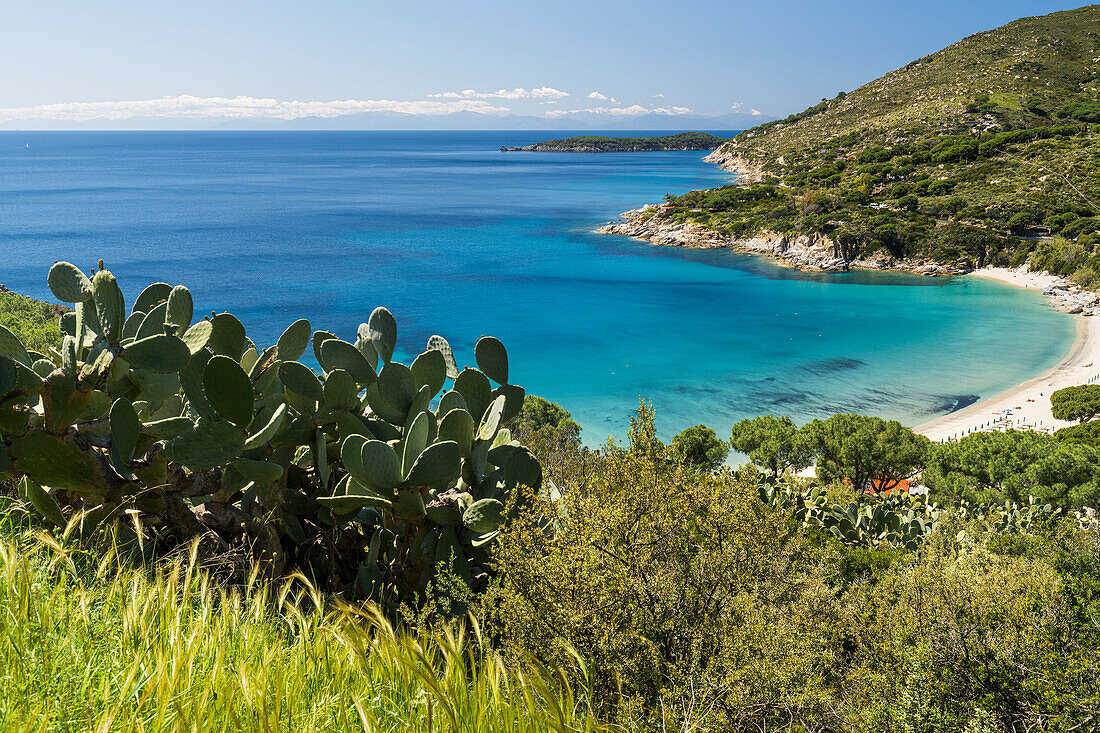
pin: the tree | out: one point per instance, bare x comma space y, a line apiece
1012, 466
859, 450
540, 414
1083, 434
1018, 221
642, 435
1080, 403
909, 202
772, 443
699, 447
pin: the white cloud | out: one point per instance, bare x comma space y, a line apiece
602, 97
190, 107
658, 95
738, 107
517, 93
632, 110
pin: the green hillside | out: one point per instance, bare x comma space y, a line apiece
951, 157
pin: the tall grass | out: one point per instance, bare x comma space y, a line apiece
88, 643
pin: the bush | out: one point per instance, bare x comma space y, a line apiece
961, 638
1085, 111
33, 322
687, 597
696, 604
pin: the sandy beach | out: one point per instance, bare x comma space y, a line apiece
1029, 402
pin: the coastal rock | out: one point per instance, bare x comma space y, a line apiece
818, 252
813, 252
728, 158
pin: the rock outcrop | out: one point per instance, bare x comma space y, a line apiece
728, 158
1067, 297
814, 252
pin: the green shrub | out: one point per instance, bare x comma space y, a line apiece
33, 322
1085, 111
962, 638
687, 597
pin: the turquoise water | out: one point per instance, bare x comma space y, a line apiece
461, 240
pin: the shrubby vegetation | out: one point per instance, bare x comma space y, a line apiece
34, 323
728, 601
674, 592
931, 200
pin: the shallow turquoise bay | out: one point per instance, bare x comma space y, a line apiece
461, 240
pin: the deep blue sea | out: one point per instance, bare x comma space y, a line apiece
459, 239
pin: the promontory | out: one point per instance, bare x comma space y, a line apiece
984, 153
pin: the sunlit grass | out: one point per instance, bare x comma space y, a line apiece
87, 643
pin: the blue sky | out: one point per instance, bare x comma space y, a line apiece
247, 58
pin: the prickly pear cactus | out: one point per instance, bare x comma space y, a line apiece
896, 520
372, 475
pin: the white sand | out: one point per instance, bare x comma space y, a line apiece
1034, 414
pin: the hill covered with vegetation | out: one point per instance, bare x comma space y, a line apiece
986, 152
603, 144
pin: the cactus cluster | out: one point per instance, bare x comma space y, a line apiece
370, 475
892, 521
897, 520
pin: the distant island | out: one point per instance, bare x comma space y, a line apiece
603, 144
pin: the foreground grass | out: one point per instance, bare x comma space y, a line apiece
87, 646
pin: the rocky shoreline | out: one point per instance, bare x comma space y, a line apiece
818, 253
1069, 298
814, 252
726, 159
585, 148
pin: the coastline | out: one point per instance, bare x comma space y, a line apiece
1029, 401
810, 252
